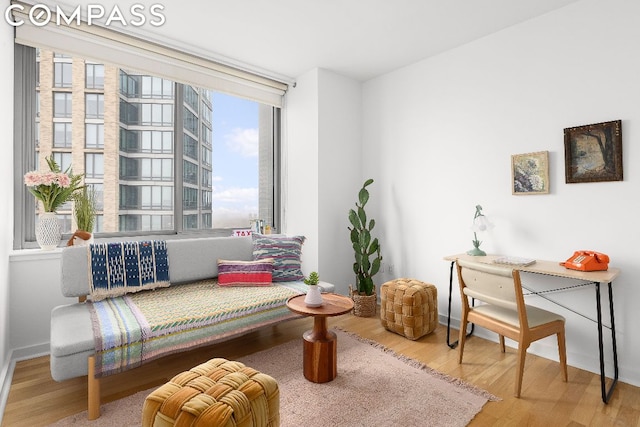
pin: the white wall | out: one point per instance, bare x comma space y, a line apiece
323, 170
6, 189
34, 290
439, 135
339, 174
300, 174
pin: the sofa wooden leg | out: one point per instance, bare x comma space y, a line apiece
93, 393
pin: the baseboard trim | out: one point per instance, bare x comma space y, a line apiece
31, 352
6, 375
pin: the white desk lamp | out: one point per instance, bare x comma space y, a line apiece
480, 223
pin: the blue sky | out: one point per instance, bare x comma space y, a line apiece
235, 160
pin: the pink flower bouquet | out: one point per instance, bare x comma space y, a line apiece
53, 187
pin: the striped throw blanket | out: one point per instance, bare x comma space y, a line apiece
122, 267
135, 328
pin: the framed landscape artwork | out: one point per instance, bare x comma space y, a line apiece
530, 173
593, 153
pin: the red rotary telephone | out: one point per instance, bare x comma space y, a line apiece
587, 261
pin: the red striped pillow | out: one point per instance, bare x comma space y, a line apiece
245, 273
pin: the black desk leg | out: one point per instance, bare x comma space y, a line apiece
606, 394
455, 343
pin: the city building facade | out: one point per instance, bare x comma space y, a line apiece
124, 131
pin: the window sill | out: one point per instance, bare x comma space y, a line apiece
30, 254
34, 254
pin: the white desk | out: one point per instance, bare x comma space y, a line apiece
553, 268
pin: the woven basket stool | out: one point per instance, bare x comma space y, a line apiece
409, 307
218, 393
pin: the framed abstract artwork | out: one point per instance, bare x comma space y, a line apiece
530, 173
593, 153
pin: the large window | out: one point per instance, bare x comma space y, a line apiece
94, 166
95, 76
156, 87
94, 105
62, 104
62, 135
94, 135
163, 157
62, 74
63, 159
156, 141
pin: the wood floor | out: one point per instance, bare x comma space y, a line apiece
36, 400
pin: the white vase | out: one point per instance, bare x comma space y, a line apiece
48, 232
314, 297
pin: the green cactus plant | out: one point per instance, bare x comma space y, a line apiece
364, 246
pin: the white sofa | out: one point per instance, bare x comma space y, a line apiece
72, 337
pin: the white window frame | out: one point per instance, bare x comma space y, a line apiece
126, 51
26, 107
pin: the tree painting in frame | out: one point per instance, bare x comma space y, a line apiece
530, 173
593, 153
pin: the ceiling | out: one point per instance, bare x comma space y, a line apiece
360, 39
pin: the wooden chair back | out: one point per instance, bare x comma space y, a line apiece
505, 312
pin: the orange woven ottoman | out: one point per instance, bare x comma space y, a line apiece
409, 307
216, 393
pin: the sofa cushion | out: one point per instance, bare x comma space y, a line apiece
285, 251
245, 273
71, 330
195, 259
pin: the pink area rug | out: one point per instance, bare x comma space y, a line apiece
374, 387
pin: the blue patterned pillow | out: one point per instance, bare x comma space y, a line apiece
285, 251
119, 268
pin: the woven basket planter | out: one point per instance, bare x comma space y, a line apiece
364, 305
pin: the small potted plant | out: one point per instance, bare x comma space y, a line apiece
314, 297
84, 212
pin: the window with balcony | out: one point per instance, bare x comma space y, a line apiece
206, 178
190, 198
190, 222
191, 97
190, 172
206, 199
156, 114
156, 87
191, 146
190, 121
156, 169
156, 197
156, 141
